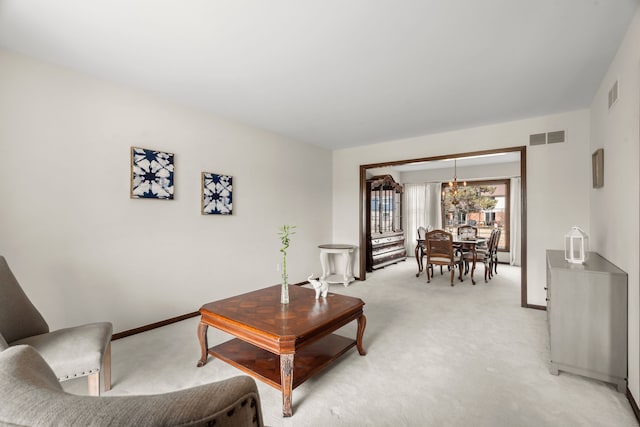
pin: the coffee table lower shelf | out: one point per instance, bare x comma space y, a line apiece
265, 365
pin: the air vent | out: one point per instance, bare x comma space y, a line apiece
538, 139
613, 94
547, 138
555, 137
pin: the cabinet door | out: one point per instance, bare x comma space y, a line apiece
587, 320
374, 210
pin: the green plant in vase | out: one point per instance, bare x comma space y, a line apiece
285, 232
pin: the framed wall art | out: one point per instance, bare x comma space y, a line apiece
597, 168
217, 194
151, 174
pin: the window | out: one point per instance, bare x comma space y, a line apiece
489, 217
483, 204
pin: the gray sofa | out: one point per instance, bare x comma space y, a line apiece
30, 395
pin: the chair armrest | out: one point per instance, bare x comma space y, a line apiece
31, 395
231, 402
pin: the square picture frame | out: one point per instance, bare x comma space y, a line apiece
217, 194
597, 168
152, 174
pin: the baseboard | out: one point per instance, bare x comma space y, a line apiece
166, 322
536, 307
634, 405
151, 326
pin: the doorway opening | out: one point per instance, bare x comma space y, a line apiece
521, 150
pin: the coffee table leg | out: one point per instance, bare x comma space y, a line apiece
286, 379
362, 323
204, 346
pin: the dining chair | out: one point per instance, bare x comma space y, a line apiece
440, 251
421, 250
71, 352
467, 232
494, 252
483, 255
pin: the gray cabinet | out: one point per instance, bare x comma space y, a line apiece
587, 313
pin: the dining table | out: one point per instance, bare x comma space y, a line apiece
459, 243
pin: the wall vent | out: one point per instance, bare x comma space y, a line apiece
538, 139
555, 137
613, 94
547, 138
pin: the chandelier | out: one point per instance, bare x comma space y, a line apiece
453, 185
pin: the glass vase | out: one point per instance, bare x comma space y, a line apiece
284, 292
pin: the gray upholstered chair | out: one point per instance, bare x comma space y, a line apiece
71, 352
32, 396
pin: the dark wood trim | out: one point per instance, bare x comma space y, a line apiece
536, 307
634, 405
151, 326
166, 322
523, 195
523, 225
363, 225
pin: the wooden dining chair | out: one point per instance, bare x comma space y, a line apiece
421, 249
440, 252
484, 255
467, 231
494, 253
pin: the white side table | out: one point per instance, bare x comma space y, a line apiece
337, 249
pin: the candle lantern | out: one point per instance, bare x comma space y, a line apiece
576, 246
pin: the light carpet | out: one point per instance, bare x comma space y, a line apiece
437, 356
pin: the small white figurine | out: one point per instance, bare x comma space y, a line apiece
320, 286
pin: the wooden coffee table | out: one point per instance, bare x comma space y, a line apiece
270, 334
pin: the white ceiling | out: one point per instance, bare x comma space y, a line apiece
336, 73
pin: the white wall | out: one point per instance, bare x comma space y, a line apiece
84, 251
467, 173
558, 180
615, 229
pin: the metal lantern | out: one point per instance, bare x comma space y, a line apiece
576, 245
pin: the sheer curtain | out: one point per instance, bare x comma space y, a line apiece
414, 214
515, 226
433, 206
421, 208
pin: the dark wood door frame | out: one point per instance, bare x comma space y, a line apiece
523, 208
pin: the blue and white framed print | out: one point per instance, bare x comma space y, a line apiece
217, 194
151, 174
